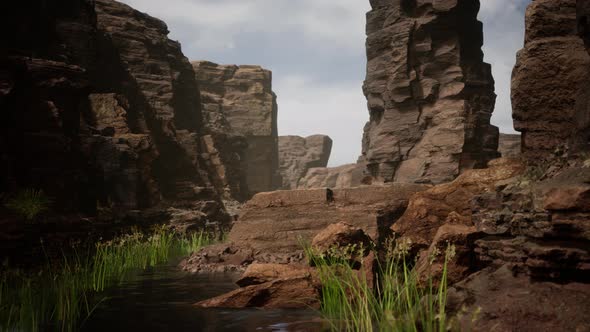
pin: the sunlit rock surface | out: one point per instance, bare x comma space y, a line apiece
241, 108
430, 95
299, 154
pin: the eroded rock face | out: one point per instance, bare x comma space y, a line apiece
547, 76
112, 111
509, 146
299, 154
450, 203
510, 302
345, 176
240, 112
430, 95
581, 139
279, 223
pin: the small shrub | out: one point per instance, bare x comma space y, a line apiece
29, 203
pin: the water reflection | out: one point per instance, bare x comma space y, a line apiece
162, 300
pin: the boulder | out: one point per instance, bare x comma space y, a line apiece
450, 203
288, 293
546, 78
298, 154
258, 273
430, 95
340, 236
453, 243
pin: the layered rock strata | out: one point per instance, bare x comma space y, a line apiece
345, 176
103, 111
299, 154
240, 111
581, 139
509, 145
276, 223
430, 95
546, 79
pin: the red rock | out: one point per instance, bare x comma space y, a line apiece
429, 93
450, 203
341, 235
553, 56
503, 300
281, 293
261, 273
297, 155
280, 222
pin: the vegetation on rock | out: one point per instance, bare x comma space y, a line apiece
62, 294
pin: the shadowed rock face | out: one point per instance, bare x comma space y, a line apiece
581, 140
238, 102
298, 154
547, 76
102, 107
430, 95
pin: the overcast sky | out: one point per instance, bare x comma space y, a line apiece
316, 51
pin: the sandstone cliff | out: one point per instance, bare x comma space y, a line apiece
581, 139
546, 78
239, 103
345, 176
102, 110
298, 154
430, 95
509, 145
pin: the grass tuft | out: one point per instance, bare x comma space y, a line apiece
397, 302
61, 295
29, 203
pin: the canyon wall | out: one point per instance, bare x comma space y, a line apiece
102, 110
430, 95
299, 154
509, 145
239, 104
581, 139
546, 78
345, 176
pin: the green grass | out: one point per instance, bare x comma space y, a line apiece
28, 203
397, 302
62, 295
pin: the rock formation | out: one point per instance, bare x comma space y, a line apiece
101, 107
581, 139
345, 176
273, 226
298, 154
547, 76
509, 145
240, 107
430, 95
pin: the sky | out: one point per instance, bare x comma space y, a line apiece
316, 51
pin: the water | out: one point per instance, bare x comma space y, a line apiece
162, 300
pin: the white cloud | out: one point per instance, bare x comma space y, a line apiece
333, 22
315, 49
503, 22
307, 107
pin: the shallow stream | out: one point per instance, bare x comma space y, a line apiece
162, 299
